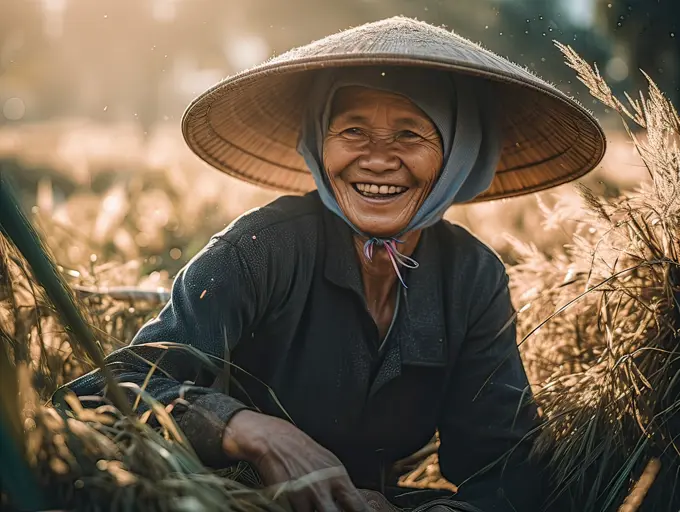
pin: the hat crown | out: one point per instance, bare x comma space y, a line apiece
248, 125
400, 36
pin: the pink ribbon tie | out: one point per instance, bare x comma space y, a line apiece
397, 258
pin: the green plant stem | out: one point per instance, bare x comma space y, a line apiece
19, 231
16, 478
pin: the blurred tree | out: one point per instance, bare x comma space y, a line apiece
22, 51
524, 31
646, 35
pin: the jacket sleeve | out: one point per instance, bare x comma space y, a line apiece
213, 303
489, 416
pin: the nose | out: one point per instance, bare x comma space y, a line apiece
379, 157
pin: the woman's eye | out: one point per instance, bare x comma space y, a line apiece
352, 132
408, 135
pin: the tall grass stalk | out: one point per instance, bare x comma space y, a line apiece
600, 318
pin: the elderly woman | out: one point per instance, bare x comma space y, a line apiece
355, 321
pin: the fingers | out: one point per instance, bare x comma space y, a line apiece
319, 486
350, 499
315, 492
323, 500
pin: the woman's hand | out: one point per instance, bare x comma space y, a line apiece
312, 478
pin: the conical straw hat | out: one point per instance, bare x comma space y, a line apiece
248, 124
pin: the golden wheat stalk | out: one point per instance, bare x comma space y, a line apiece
600, 345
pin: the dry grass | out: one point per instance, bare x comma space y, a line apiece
85, 458
599, 319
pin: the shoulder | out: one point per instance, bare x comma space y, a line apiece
283, 218
476, 275
468, 252
263, 247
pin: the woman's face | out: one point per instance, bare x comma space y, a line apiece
382, 155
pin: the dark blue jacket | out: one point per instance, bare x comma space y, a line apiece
279, 292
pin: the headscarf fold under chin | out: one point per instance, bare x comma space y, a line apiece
461, 108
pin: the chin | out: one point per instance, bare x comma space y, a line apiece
382, 219
384, 230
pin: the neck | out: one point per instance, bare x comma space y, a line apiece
378, 275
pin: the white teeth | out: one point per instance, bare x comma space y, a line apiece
369, 188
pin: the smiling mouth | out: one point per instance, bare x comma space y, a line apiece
371, 190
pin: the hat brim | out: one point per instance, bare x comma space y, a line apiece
248, 125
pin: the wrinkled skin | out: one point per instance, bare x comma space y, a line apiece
380, 138
374, 138
283, 454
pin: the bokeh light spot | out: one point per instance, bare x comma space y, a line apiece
14, 109
617, 69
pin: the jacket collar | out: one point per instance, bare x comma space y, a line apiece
418, 336
341, 265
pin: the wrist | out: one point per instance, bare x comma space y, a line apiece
240, 440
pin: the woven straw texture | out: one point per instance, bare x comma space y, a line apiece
248, 124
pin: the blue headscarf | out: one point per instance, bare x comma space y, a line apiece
461, 108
